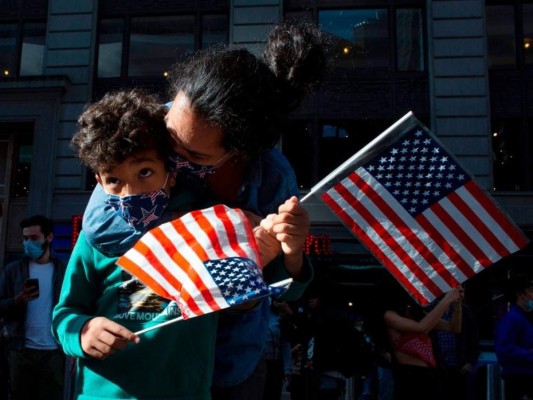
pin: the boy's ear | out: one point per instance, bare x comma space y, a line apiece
98, 179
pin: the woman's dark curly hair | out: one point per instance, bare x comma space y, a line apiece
120, 125
247, 97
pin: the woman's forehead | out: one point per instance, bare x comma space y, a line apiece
190, 131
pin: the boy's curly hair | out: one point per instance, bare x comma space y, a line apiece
120, 125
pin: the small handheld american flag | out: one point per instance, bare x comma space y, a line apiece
206, 261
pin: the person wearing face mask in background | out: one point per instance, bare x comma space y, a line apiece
36, 361
513, 341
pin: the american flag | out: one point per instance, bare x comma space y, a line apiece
206, 261
418, 211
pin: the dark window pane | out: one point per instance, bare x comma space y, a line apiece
340, 140
157, 42
110, 48
409, 43
500, 35
506, 147
361, 37
22, 167
8, 49
3, 167
297, 145
214, 30
528, 33
33, 42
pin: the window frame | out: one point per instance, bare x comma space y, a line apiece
136, 9
398, 97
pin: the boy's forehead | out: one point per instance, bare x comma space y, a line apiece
134, 159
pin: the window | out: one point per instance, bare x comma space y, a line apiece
22, 48
507, 157
528, 33
379, 73
316, 149
363, 38
32, 53
110, 48
138, 50
510, 54
501, 35
409, 43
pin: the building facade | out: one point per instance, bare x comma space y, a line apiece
463, 68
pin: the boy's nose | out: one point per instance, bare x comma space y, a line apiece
128, 190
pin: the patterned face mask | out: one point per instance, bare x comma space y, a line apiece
140, 210
181, 165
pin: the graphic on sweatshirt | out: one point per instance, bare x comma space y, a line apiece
136, 302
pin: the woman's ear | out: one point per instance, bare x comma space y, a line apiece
98, 179
171, 180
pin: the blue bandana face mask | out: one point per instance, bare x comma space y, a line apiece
181, 165
34, 249
140, 211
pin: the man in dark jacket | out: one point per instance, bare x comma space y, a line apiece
29, 290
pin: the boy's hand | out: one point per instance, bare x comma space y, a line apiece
100, 337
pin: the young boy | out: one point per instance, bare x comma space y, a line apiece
123, 139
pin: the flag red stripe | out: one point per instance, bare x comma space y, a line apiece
206, 226
386, 236
405, 229
138, 272
186, 266
380, 255
153, 259
514, 233
229, 228
463, 237
189, 238
445, 245
482, 228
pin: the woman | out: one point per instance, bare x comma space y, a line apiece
415, 370
226, 117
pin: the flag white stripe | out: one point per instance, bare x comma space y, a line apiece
376, 239
197, 265
170, 265
453, 240
470, 230
136, 257
412, 251
200, 235
238, 220
491, 223
416, 228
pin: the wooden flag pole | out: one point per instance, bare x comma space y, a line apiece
159, 325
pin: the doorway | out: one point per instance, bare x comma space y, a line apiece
16, 149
